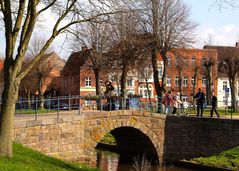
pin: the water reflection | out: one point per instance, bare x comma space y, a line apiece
109, 161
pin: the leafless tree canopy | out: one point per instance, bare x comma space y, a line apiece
19, 20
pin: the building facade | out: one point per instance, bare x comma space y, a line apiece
186, 67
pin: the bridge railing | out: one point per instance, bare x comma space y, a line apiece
57, 105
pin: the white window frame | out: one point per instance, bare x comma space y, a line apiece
185, 81
224, 85
184, 98
204, 81
88, 81
129, 82
176, 81
203, 62
193, 62
192, 81
144, 92
160, 71
169, 62
169, 81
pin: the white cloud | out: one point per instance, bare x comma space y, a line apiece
226, 35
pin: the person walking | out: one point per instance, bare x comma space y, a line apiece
167, 100
200, 97
177, 102
214, 106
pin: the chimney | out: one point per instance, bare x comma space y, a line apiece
237, 44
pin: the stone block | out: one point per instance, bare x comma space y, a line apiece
33, 123
57, 120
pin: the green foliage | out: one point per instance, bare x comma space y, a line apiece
108, 139
31, 111
227, 159
29, 160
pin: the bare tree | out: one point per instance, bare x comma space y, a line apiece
97, 37
130, 47
19, 20
40, 71
171, 28
222, 4
145, 73
229, 64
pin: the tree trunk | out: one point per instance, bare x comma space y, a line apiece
123, 81
97, 81
41, 97
9, 98
180, 83
208, 85
149, 95
233, 92
97, 87
194, 87
158, 88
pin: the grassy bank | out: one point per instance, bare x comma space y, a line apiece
31, 111
227, 159
29, 160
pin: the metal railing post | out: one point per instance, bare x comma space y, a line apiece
36, 109
58, 106
69, 102
48, 100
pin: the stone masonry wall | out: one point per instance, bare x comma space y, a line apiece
74, 137
190, 137
60, 138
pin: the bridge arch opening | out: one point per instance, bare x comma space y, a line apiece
132, 144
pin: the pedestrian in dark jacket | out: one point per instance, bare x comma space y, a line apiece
214, 106
200, 97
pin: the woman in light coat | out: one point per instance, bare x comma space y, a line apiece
177, 102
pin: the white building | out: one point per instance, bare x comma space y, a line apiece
224, 91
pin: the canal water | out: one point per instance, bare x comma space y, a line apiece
110, 161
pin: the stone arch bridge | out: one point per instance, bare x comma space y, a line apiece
166, 138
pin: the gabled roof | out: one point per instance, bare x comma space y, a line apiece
75, 61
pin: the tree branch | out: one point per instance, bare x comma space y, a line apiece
18, 20
26, 23
48, 6
24, 43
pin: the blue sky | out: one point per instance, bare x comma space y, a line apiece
223, 26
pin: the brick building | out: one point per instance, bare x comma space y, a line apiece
188, 61
77, 77
49, 67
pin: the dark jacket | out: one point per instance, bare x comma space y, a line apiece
200, 96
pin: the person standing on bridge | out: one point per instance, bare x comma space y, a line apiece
167, 100
177, 102
200, 97
214, 106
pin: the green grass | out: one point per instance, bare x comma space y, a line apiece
31, 111
227, 159
26, 159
